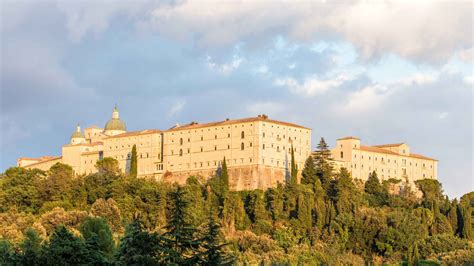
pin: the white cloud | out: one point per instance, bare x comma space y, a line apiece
176, 108
427, 31
467, 55
224, 68
311, 85
364, 100
417, 79
469, 80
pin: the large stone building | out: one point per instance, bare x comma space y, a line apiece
257, 150
388, 161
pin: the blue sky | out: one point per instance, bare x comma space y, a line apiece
384, 71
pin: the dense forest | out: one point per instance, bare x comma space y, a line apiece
322, 217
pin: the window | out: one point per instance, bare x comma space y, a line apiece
181, 141
250, 144
201, 149
263, 134
342, 154
278, 148
180, 152
215, 136
242, 145
228, 135
202, 138
228, 146
215, 148
242, 135
264, 146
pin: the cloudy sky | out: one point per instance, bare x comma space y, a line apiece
386, 71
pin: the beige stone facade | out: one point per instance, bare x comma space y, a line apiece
257, 150
388, 161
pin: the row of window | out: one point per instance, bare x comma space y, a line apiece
382, 160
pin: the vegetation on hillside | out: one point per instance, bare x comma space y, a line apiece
109, 218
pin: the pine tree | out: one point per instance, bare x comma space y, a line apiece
97, 232
134, 162
322, 161
212, 242
308, 175
294, 168
30, 248
64, 249
180, 243
137, 246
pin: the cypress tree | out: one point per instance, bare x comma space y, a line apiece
134, 162
308, 175
294, 168
225, 175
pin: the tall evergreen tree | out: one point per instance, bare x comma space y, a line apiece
224, 175
64, 249
137, 246
294, 168
180, 242
30, 248
212, 243
377, 194
346, 195
134, 162
308, 174
322, 161
97, 232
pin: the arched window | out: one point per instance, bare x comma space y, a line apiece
342, 154
181, 141
242, 135
242, 146
180, 152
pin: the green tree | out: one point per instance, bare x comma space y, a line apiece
134, 162
213, 245
19, 189
96, 231
346, 195
323, 164
7, 254
294, 168
224, 175
30, 248
137, 246
180, 242
466, 210
377, 194
108, 165
308, 175
64, 249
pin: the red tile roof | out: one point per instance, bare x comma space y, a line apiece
380, 150
135, 133
194, 125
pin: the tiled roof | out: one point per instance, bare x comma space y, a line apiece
389, 145
43, 161
90, 152
194, 125
380, 150
97, 143
348, 137
135, 133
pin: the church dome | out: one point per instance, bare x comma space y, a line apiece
115, 123
78, 133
